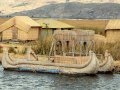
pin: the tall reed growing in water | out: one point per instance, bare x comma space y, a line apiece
42, 47
113, 48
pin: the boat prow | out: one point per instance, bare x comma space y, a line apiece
89, 67
107, 65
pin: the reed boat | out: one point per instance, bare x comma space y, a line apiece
56, 64
107, 65
70, 53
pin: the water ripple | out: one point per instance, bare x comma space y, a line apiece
11, 80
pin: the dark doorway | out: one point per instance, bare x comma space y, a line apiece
0, 36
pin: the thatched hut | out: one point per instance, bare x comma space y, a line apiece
113, 31
49, 25
19, 28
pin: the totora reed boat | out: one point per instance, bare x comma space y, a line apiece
63, 57
74, 67
70, 53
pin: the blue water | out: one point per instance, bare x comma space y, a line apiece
12, 80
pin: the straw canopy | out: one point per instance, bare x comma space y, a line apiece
113, 24
22, 22
51, 23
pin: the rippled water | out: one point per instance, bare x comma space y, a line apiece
11, 80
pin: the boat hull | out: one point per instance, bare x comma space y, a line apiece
36, 66
91, 69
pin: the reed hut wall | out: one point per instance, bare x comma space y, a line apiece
45, 33
7, 34
22, 35
112, 31
33, 34
113, 36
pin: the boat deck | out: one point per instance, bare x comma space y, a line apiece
56, 59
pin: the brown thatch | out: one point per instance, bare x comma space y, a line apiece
86, 23
54, 24
3, 20
20, 28
113, 31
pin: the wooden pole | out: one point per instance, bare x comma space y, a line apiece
54, 48
73, 48
63, 49
51, 50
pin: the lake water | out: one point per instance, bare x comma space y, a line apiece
12, 80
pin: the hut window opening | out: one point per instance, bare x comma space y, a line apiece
58, 47
67, 44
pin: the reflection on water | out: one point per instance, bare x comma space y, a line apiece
11, 80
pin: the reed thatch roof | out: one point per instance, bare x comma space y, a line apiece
52, 23
113, 24
22, 22
3, 20
86, 23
